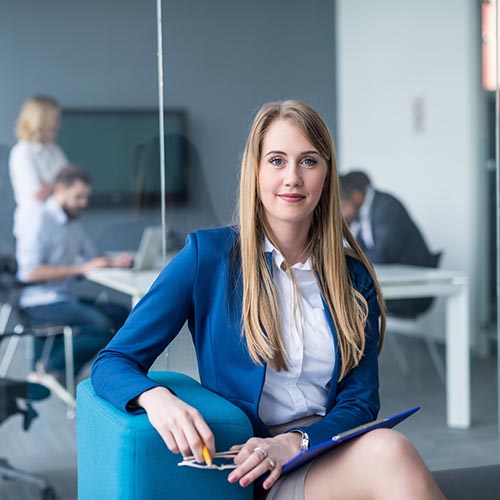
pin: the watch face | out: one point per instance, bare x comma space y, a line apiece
304, 445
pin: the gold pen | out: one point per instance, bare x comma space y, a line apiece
206, 454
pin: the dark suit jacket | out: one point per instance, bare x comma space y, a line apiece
397, 240
396, 237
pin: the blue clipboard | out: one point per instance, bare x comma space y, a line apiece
308, 455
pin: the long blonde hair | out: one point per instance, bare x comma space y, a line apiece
36, 113
348, 307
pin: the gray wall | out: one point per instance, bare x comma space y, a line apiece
223, 59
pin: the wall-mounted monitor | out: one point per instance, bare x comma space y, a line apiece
121, 150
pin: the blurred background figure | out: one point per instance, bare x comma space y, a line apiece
35, 160
53, 250
385, 231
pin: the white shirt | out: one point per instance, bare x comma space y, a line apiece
30, 165
51, 238
303, 389
363, 226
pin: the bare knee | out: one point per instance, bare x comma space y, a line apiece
386, 446
390, 465
378, 453
393, 456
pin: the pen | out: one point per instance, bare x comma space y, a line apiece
206, 454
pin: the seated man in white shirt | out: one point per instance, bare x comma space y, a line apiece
52, 251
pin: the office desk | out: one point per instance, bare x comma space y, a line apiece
397, 282
128, 281
408, 282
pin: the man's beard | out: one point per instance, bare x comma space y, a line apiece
72, 215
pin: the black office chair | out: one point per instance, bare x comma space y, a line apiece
401, 315
7, 271
10, 289
11, 392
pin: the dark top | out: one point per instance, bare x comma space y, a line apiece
397, 240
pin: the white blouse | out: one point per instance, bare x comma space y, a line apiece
303, 389
30, 165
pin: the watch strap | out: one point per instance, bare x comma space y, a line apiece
304, 439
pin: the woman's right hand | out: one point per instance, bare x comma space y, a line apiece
180, 425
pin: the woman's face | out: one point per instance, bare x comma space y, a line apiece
49, 129
292, 174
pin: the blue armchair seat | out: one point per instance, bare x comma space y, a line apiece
122, 457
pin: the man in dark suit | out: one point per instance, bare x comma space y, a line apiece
385, 232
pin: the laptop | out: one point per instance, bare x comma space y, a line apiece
149, 253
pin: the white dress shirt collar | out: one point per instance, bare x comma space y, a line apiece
278, 259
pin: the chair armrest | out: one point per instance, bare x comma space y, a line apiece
121, 456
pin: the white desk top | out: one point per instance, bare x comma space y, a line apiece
396, 273
127, 281
398, 281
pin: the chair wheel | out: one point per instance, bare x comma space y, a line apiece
48, 493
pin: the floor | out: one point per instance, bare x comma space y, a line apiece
440, 446
49, 447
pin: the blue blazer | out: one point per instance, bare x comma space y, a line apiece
202, 285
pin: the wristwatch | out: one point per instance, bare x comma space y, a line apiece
304, 441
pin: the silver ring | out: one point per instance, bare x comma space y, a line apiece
272, 465
261, 451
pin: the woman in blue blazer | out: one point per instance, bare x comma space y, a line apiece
284, 312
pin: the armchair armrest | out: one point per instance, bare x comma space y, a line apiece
122, 457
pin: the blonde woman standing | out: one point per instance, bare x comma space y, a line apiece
36, 159
285, 323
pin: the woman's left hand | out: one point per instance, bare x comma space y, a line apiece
260, 455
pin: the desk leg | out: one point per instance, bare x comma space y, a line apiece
458, 360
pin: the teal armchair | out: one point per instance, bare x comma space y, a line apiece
122, 457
